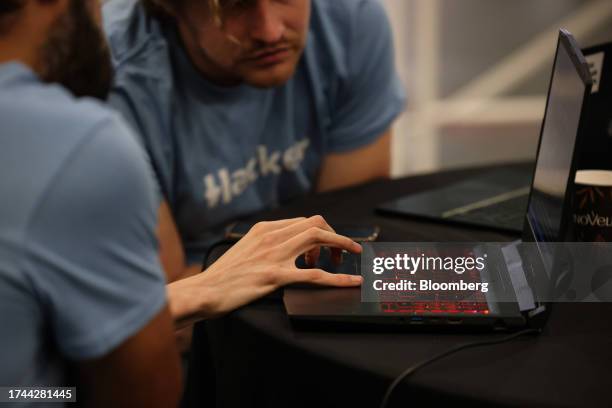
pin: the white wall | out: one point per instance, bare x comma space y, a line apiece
476, 72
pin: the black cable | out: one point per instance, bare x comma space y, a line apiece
437, 357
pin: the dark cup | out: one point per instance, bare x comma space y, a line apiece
592, 212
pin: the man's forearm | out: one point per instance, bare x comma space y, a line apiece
356, 167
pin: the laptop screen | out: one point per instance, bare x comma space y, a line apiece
557, 142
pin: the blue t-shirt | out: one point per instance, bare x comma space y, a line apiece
79, 268
224, 152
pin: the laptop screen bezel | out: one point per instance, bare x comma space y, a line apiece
567, 41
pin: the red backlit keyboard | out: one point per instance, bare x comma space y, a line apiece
435, 307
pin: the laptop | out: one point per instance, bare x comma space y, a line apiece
544, 222
496, 200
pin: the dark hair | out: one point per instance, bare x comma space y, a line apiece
159, 8
7, 9
10, 6
152, 7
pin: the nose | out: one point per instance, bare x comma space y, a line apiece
266, 25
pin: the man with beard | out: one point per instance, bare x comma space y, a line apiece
77, 232
81, 286
245, 104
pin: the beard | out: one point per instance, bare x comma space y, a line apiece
76, 54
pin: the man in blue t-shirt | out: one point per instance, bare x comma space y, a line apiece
81, 284
245, 104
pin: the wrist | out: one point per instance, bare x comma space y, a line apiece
190, 300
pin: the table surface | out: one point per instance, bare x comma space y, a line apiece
261, 360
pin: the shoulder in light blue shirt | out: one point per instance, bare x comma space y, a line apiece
79, 269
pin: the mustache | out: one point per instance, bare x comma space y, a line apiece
263, 51
257, 49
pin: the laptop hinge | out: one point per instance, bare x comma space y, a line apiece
522, 289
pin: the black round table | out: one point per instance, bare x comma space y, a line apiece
255, 358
